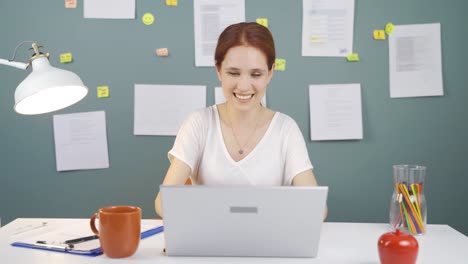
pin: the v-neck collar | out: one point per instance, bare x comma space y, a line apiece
221, 138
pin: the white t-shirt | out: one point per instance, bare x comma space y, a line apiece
279, 156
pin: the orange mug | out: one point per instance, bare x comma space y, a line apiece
119, 230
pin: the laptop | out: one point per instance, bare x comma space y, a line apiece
243, 221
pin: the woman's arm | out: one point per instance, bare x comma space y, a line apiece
307, 178
177, 174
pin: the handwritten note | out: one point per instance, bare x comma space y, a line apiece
70, 3
66, 58
379, 34
162, 52
171, 2
280, 64
102, 91
352, 57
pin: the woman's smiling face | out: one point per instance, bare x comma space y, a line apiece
244, 76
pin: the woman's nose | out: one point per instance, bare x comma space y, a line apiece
243, 84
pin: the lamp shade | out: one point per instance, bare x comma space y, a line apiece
47, 89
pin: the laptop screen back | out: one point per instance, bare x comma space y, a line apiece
280, 221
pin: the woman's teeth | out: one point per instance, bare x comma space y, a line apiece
244, 97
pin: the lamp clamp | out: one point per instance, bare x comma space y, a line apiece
37, 53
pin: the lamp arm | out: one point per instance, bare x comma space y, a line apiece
10, 62
19, 65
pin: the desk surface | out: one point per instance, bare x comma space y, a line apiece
441, 244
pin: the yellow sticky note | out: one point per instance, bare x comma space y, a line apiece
66, 57
280, 64
352, 57
171, 2
70, 3
379, 34
102, 91
147, 19
389, 28
262, 21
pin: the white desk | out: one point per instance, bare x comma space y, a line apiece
340, 243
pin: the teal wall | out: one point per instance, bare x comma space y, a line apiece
428, 131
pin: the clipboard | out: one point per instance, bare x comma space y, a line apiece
92, 252
92, 248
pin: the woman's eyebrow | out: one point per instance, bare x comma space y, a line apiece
258, 70
250, 70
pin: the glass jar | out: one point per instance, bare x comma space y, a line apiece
408, 209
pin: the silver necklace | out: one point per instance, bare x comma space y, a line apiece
241, 147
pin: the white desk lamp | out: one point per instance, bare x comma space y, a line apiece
46, 89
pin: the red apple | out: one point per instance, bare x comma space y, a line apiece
397, 247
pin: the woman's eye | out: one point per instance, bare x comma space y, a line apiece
233, 73
256, 74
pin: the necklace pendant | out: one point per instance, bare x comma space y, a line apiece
241, 151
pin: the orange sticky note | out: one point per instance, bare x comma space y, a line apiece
70, 3
171, 2
162, 52
352, 57
66, 57
280, 64
262, 21
102, 91
379, 34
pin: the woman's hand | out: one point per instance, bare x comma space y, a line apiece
307, 178
177, 174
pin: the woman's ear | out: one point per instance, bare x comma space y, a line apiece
270, 72
218, 71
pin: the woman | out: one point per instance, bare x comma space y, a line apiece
240, 142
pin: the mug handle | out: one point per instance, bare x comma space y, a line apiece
92, 221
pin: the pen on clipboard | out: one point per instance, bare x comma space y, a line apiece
80, 239
44, 244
